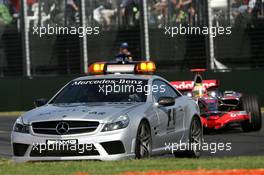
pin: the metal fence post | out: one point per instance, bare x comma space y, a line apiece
84, 52
25, 39
146, 29
210, 37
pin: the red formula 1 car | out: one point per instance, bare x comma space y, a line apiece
219, 109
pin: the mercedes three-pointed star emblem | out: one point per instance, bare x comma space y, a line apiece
62, 128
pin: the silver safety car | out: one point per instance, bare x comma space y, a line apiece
122, 112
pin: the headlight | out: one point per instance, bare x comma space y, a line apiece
120, 123
21, 127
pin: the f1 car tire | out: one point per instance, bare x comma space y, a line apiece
250, 104
143, 141
195, 140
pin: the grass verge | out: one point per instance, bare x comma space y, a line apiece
11, 114
117, 167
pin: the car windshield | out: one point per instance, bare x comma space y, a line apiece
103, 90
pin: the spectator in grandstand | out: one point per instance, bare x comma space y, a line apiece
255, 10
161, 5
239, 11
57, 15
183, 11
245, 12
5, 20
105, 12
15, 5
5, 16
72, 4
14, 8
161, 10
130, 12
254, 7
72, 13
239, 7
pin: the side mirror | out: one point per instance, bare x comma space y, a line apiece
40, 102
166, 101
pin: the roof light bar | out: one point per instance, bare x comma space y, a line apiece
146, 67
140, 67
97, 68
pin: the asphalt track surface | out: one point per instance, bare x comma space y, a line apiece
242, 144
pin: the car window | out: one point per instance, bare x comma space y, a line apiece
103, 90
173, 92
162, 89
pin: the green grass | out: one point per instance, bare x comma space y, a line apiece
116, 167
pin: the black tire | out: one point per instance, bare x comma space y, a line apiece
195, 140
250, 104
143, 141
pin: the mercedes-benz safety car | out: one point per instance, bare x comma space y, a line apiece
220, 109
121, 111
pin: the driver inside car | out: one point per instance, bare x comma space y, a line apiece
199, 90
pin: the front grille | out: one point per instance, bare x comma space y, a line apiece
35, 152
73, 127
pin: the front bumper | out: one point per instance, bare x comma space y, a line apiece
98, 141
220, 121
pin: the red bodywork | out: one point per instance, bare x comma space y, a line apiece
221, 120
212, 119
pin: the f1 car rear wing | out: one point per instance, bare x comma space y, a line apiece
188, 85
